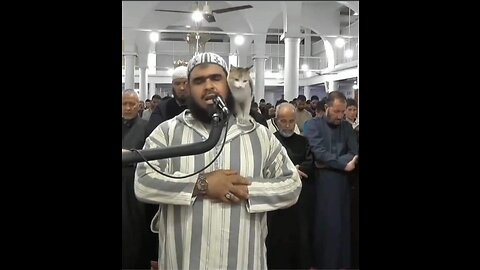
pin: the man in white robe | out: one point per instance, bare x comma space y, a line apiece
215, 219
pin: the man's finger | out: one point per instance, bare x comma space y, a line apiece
302, 174
240, 180
232, 198
241, 191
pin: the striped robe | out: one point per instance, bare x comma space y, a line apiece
198, 233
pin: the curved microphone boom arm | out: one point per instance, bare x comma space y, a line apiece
218, 122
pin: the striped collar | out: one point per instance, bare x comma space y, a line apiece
234, 130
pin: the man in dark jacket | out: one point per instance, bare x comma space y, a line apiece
168, 108
335, 150
292, 227
139, 243
259, 118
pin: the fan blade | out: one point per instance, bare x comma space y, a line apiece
209, 17
169, 10
326, 73
223, 10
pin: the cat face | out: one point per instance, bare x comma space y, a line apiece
239, 77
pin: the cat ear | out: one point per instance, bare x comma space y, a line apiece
231, 67
250, 67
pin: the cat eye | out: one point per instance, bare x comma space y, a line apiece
244, 80
236, 80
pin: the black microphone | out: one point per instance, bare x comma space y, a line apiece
220, 104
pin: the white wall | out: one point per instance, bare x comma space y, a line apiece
169, 51
318, 90
269, 97
353, 29
347, 90
321, 16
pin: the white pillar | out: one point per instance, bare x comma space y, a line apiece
234, 51
292, 61
152, 89
307, 44
307, 51
143, 83
259, 63
244, 52
142, 62
129, 71
306, 91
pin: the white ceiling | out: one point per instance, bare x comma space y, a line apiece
323, 17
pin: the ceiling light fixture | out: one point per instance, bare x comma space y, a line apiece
339, 42
239, 40
154, 37
197, 16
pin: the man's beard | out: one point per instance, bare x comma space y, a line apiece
205, 115
286, 134
180, 100
331, 121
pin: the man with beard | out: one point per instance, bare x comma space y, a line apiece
302, 115
171, 107
335, 149
272, 124
150, 106
215, 219
289, 241
138, 242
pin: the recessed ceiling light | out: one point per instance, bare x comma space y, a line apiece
339, 42
348, 53
239, 39
197, 15
154, 36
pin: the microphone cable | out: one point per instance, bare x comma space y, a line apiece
194, 173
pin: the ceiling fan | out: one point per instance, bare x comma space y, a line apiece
207, 12
326, 73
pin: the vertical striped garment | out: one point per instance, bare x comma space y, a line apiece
199, 233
